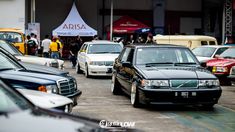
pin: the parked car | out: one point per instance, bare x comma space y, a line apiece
96, 58
163, 74
57, 63
18, 114
18, 76
48, 100
221, 66
232, 75
205, 53
190, 41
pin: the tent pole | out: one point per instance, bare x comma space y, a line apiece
111, 21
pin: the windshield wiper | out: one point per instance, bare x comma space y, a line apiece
5, 69
187, 63
162, 63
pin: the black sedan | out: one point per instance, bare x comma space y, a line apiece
163, 74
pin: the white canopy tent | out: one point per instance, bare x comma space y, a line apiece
74, 25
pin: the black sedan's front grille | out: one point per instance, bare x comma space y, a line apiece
67, 86
184, 84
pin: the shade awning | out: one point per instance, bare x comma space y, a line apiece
127, 24
74, 25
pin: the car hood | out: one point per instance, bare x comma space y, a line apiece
220, 62
39, 60
174, 72
43, 69
30, 76
29, 121
102, 57
45, 100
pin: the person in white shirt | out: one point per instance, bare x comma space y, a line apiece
45, 45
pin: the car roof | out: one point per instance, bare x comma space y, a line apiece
100, 42
139, 45
214, 46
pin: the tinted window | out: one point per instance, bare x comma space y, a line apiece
221, 50
7, 63
211, 42
104, 48
164, 55
204, 43
229, 53
204, 51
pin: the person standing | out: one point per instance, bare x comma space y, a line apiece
45, 46
31, 46
73, 50
60, 46
54, 49
78, 41
149, 39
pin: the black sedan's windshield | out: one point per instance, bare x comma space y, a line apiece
176, 56
104, 48
10, 48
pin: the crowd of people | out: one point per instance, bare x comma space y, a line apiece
51, 47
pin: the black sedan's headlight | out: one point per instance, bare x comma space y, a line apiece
208, 83
154, 83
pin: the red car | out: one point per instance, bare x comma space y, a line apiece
222, 66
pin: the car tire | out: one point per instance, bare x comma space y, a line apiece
115, 86
134, 95
86, 72
78, 69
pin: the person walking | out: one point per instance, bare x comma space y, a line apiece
45, 46
54, 49
78, 42
61, 46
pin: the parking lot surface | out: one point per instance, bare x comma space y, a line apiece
97, 101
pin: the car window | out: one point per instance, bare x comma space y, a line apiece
204, 51
11, 36
10, 48
211, 42
229, 53
125, 55
164, 55
7, 63
104, 48
221, 50
204, 43
11, 102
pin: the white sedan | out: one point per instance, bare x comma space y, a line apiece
205, 53
96, 58
48, 100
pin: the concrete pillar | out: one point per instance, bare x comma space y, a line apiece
159, 16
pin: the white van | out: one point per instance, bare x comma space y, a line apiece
190, 41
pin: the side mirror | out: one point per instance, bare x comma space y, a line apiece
126, 64
203, 64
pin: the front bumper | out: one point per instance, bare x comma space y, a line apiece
100, 70
75, 96
179, 96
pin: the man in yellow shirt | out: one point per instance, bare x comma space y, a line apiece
54, 49
61, 45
